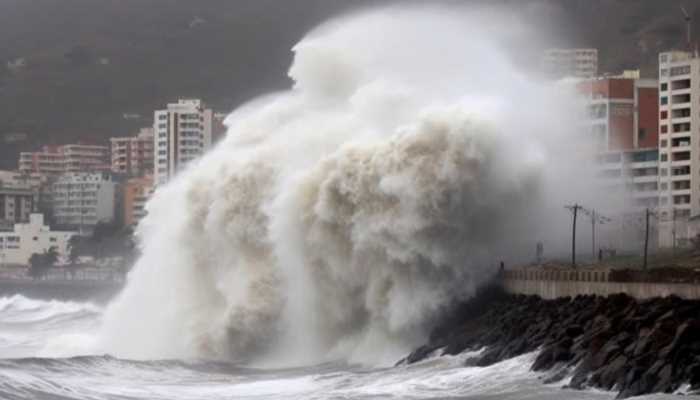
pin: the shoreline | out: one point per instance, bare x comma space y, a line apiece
615, 343
98, 291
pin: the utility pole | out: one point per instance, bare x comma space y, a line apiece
673, 231
593, 234
574, 209
648, 213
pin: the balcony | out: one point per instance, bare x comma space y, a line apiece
681, 145
680, 84
678, 100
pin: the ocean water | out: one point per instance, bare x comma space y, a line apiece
43, 356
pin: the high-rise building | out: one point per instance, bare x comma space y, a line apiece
55, 160
133, 155
575, 63
82, 200
679, 121
137, 191
182, 132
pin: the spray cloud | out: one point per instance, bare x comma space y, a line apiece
338, 217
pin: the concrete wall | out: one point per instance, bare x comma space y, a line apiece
639, 290
552, 284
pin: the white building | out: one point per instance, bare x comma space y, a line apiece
182, 132
631, 173
576, 63
17, 246
81, 200
679, 137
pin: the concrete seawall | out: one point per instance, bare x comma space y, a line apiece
552, 284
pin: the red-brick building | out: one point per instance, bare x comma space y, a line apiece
623, 112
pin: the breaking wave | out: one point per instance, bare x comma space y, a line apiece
337, 219
46, 328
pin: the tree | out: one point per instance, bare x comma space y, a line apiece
51, 256
78, 246
39, 264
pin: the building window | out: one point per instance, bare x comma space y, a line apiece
664, 157
664, 128
664, 100
642, 134
664, 87
664, 114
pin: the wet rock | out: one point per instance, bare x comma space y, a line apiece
613, 373
634, 347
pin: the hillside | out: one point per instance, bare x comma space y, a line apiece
72, 69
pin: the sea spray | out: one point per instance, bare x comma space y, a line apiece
339, 217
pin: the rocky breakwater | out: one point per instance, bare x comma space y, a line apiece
613, 343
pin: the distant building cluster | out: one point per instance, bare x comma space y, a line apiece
645, 131
59, 191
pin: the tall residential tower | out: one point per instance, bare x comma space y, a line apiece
679, 141
182, 132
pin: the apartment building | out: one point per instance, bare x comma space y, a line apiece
18, 245
81, 200
575, 63
49, 161
623, 121
19, 197
182, 133
679, 121
137, 191
55, 160
133, 155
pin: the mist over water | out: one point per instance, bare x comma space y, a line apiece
338, 218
